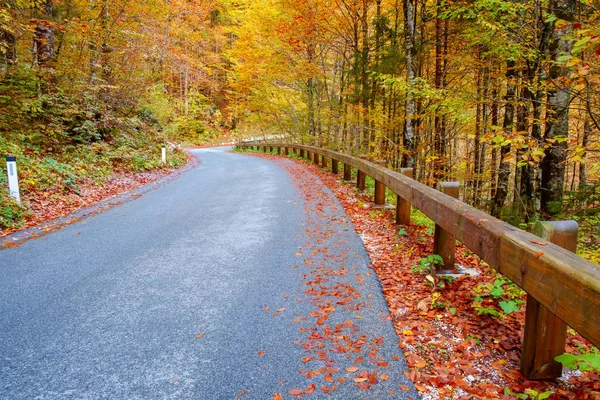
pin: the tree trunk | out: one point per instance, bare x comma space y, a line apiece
557, 114
9, 41
410, 50
507, 125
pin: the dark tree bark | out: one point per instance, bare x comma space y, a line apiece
507, 125
557, 114
9, 41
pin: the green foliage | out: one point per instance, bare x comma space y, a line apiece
582, 362
528, 394
502, 293
12, 214
427, 264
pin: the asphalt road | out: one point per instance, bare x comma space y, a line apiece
164, 297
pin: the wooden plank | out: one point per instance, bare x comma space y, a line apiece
403, 205
347, 172
444, 242
545, 334
360, 180
379, 193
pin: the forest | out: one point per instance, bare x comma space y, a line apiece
501, 96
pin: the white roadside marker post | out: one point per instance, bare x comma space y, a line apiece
13, 179
164, 154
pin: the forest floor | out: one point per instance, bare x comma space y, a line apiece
457, 340
50, 206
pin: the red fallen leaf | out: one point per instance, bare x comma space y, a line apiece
261, 353
296, 392
538, 242
310, 389
539, 254
352, 369
329, 378
360, 380
384, 377
307, 359
405, 388
325, 390
266, 308
277, 396
242, 393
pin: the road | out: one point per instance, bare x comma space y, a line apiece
180, 294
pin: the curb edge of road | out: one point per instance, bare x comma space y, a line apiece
45, 228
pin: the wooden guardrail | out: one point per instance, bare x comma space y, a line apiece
561, 286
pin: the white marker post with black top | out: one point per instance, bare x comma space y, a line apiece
13, 179
164, 154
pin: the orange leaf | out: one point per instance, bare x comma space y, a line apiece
420, 388
405, 388
242, 393
261, 353
280, 310
384, 377
296, 392
310, 389
277, 396
307, 359
420, 364
539, 254
352, 369
360, 380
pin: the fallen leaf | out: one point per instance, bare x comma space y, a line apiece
296, 392
261, 353
352, 369
405, 388
242, 393
539, 254
384, 377
199, 335
280, 310
277, 396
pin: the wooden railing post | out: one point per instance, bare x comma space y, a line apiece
287, 151
278, 150
379, 193
546, 334
323, 162
347, 172
360, 180
334, 166
403, 205
316, 158
444, 244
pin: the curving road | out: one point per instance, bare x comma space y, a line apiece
165, 297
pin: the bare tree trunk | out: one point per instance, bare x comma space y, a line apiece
9, 41
494, 160
557, 115
587, 132
507, 125
410, 52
